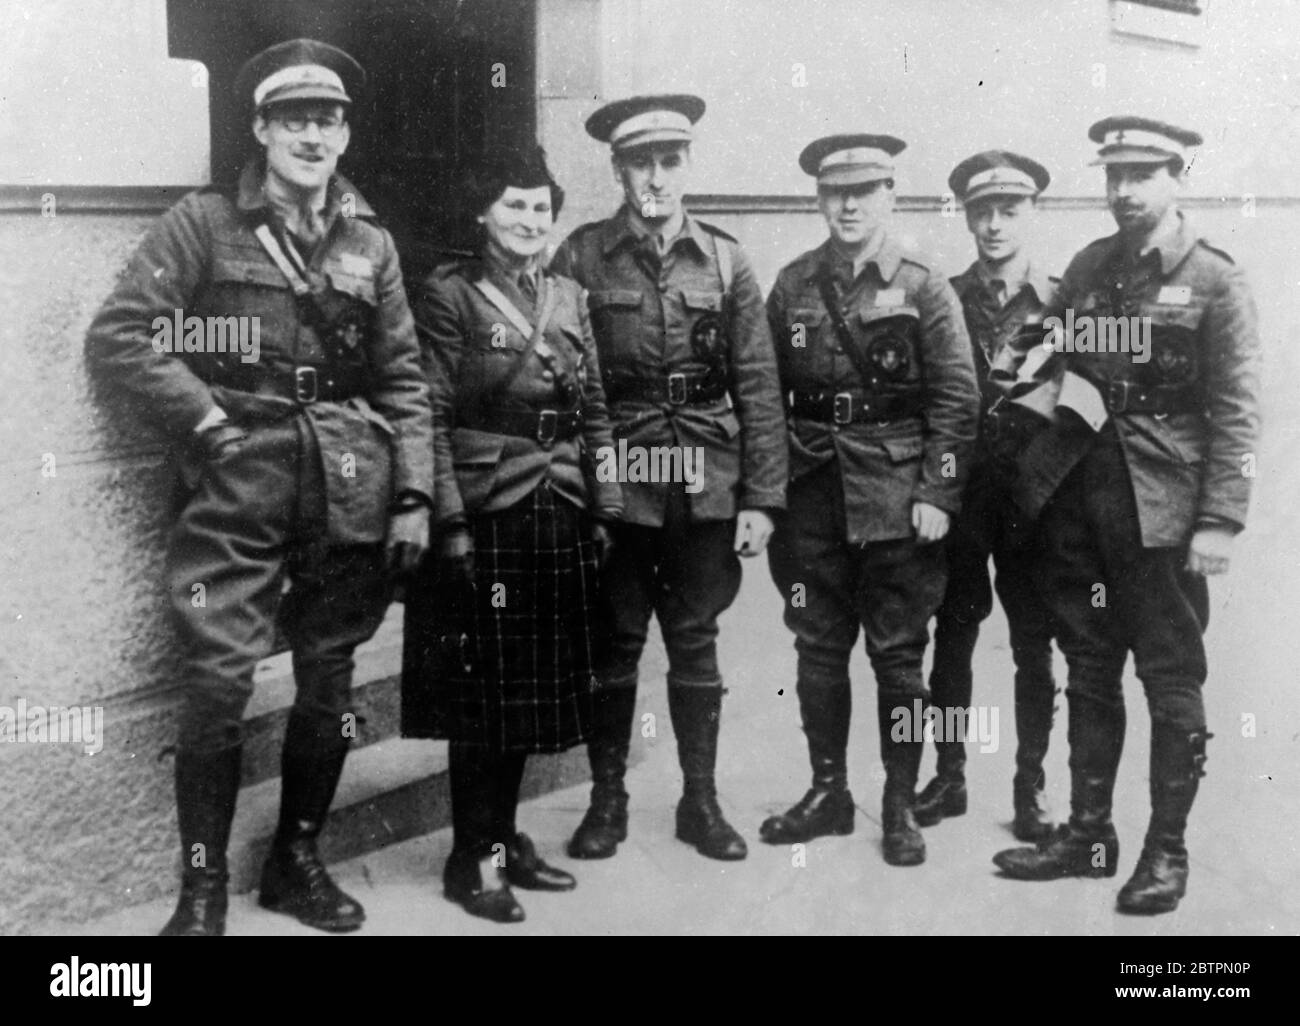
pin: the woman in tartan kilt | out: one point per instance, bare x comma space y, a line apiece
499, 635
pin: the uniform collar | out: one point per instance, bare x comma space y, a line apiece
623, 229
886, 254
252, 192
1173, 242
506, 274
977, 275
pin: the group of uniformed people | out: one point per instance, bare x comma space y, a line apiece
879, 429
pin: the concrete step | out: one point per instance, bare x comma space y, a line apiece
390, 791
376, 699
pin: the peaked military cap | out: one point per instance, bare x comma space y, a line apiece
851, 159
299, 69
639, 120
1132, 140
997, 173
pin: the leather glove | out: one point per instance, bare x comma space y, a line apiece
408, 539
604, 539
221, 439
457, 554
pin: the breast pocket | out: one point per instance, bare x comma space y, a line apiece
616, 319
799, 350
890, 344
243, 282
1169, 342
254, 299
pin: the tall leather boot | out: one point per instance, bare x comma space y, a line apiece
475, 874
696, 714
207, 786
1035, 708
827, 808
605, 824
1160, 879
903, 844
1087, 845
294, 879
950, 688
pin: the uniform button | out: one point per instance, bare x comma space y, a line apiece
547, 376
663, 286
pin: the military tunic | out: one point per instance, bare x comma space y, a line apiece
687, 361
1119, 506
338, 425
507, 665
845, 556
990, 524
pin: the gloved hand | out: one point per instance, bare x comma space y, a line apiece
221, 439
457, 554
604, 539
408, 539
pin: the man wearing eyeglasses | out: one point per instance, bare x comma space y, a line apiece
307, 455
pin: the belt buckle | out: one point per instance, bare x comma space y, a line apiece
305, 384
1117, 395
547, 422
843, 410
676, 389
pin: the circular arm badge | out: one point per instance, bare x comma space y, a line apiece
707, 336
1174, 364
891, 355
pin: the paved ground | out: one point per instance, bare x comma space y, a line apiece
1243, 838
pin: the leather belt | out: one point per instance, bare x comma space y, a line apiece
677, 389
304, 384
853, 407
542, 426
1123, 396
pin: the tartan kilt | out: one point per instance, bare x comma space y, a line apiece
506, 665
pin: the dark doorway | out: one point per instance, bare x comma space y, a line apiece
445, 78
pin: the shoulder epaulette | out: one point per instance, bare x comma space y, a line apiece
713, 229
1215, 250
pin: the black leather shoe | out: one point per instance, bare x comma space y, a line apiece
296, 883
1069, 853
1157, 885
942, 797
700, 822
1033, 822
821, 812
524, 869
480, 888
201, 910
903, 844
